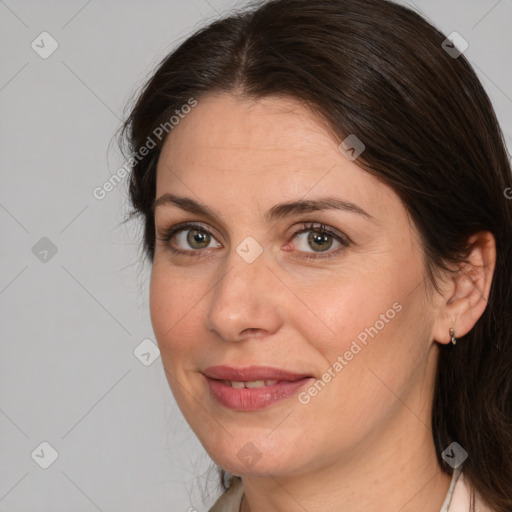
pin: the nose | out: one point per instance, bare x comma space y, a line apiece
247, 300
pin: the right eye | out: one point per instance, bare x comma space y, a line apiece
190, 238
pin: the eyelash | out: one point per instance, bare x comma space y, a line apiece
304, 228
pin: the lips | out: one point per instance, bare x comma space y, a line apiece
253, 388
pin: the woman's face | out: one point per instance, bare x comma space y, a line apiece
344, 310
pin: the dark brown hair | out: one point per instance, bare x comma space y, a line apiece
378, 70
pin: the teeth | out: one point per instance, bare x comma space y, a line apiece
257, 384
251, 384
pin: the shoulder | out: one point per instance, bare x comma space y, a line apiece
462, 497
230, 500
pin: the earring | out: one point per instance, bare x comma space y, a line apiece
452, 335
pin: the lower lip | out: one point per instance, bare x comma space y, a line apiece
244, 399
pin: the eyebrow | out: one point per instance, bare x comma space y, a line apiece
278, 211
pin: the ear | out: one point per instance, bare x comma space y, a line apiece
466, 292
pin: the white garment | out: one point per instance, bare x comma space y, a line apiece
457, 499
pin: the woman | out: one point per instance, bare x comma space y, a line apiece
323, 187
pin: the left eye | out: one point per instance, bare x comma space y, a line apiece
319, 241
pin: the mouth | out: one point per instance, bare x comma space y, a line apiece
252, 374
253, 388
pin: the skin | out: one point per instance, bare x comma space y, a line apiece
364, 442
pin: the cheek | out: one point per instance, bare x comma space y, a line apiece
356, 308
173, 304
380, 348
370, 328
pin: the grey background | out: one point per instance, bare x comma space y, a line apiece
70, 324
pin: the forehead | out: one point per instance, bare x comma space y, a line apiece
268, 150
223, 122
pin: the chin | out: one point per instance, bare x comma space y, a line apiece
246, 458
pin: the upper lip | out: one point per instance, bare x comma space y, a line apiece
251, 373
